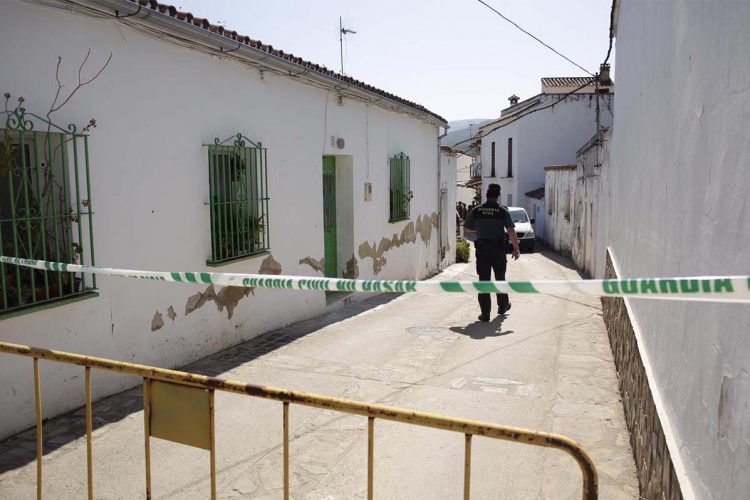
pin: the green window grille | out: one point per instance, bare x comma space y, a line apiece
238, 185
45, 210
401, 193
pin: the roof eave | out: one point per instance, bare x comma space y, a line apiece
216, 41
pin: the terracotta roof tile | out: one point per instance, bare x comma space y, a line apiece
567, 81
203, 23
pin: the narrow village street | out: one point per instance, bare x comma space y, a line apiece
546, 367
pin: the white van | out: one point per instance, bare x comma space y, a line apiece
524, 231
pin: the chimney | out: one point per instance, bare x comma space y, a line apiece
513, 99
604, 78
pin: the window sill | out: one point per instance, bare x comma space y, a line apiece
393, 221
234, 260
49, 304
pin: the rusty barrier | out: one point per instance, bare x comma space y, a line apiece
179, 406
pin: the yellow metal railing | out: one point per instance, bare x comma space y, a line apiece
165, 389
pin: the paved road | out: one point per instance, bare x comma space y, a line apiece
547, 366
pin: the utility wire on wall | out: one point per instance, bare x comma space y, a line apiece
611, 31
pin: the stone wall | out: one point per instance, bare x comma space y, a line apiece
656, 473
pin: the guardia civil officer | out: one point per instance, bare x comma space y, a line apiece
488, 221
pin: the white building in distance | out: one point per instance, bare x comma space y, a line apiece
544, 130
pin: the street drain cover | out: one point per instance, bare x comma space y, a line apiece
430, 331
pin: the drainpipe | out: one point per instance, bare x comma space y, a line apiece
439, 194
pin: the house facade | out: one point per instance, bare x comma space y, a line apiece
209, 151
544, 130
677, 188
576, 198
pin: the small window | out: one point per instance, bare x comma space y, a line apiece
550, 201
45, 212
566, 206
238, 186
401, 193
510, 157
492, 173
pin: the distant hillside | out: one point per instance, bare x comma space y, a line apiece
459, 132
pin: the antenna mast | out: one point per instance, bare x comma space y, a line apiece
343, 31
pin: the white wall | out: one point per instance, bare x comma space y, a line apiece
679, 188
464, 194
589, 226
500, 138
156, 105
448, 177
548, 137
559, 198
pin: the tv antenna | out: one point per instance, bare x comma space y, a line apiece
343, 31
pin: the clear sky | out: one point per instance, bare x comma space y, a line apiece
456, 57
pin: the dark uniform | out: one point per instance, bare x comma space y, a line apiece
489, 221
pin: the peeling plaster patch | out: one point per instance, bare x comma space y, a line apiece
170, 312
425, 224
269, 266
157, 322
227, 297
199, 299
317, 265
352, 268
375, 252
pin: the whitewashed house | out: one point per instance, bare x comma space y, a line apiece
211, 152
546, 129
677, 205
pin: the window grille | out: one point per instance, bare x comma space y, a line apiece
238, 185
45, 210
401, 193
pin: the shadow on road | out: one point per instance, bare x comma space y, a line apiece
561, 260
20, 449
481, 330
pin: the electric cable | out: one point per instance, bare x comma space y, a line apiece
611, 31
535, 38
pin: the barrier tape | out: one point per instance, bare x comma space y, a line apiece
703, 288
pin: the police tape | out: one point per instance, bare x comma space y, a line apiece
703, 288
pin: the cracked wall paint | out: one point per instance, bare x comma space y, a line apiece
157, 322
424, 226
269, 266
352, 269
171, 313
229, 296
317, 265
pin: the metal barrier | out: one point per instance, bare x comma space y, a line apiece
168, 393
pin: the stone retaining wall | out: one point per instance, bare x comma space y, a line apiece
656, 473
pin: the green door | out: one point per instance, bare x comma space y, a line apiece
329, 215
